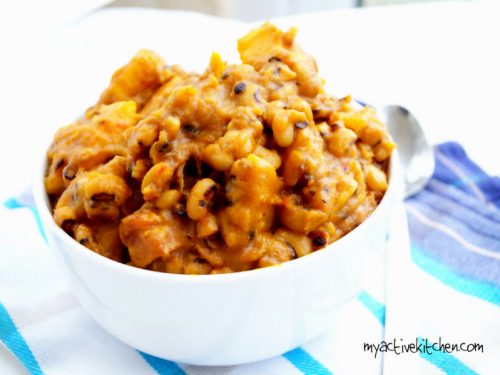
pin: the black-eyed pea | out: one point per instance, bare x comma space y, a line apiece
355, 121
183, 96
324, 129
158, 265
278, 70
221, 270
99, 241
64, 214
233, 235
357, 171
284, 91
218, 159
372, 134
155, 180
102, 206
200, 198
375, 178
104, 194
197, 266
333, 117
139, 168
160, 148
303, 106
270, 156
272, 108
206, 226
69, 173
299, 218
383, 150
330, 231
365, 151
283, 130
145, 135
117, 166
211, 251
278, 251
105, 185
346, 187
168, 199
172, 125
54, 183
301, 244
293, 167
284, 124
241, 142
323, 235
261, 140
83, 234
175, 263
320, 193
286, 74
346, 104
339, 142
318, 240
298, 118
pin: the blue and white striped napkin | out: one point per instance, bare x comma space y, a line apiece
442, 284
446, 288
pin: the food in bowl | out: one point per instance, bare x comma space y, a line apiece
241, 167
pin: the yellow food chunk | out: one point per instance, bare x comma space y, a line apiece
267, 42
149, 235
137, 80
206, 226
252, 194
376, 179
340, 141
299, 218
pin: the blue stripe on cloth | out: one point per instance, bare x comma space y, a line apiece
13, 340
458, 214
475, 179
450, 177
306, 363
482, 290
469, 256
162, 366
39, 223
12, 204
456, 152
458, 196
374, 306
446, 362
472, 174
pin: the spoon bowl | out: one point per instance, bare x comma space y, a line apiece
415, 152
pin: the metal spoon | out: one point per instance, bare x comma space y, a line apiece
415, 152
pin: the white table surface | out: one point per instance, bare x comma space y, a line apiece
439, 60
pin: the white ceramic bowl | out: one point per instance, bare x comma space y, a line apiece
222, 319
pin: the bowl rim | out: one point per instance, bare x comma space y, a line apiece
42, 205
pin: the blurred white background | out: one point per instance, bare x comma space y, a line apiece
251, 10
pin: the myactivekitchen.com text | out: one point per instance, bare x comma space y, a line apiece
422, 346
